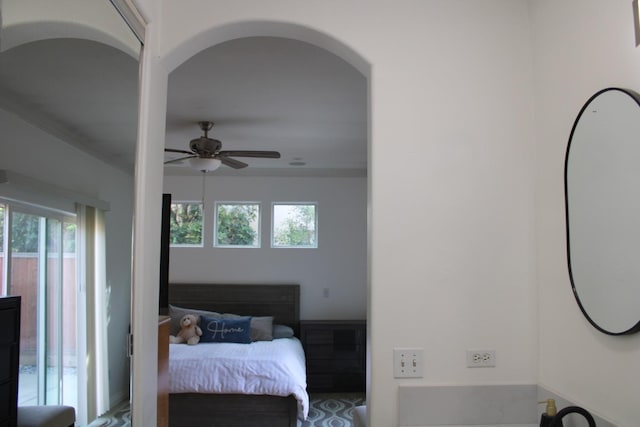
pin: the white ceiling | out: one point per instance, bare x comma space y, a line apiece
262, 93
267, 93
80, 91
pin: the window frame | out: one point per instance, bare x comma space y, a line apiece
273, 225
258, 243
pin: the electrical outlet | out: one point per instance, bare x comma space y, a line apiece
408, 362
481, 358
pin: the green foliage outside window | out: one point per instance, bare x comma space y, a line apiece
294, 225
69, 230
24, 233
53, 236
237, 224
186, 224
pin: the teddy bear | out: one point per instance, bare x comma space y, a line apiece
189, 333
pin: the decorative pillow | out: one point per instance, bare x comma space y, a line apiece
176, 314
282, 331
261, 326
216, 329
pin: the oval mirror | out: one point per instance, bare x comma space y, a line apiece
602, 194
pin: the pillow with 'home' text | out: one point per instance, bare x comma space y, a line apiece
215, 329
261, 326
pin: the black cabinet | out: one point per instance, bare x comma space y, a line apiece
9, 359
336, 354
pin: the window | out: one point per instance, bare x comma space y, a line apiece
294, 225
237, 225
39, 263
186, 224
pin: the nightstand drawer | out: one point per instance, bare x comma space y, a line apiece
317, 351
320, 382
319, 336
338, 336
333, 382
5, 399
9, 335
335, 366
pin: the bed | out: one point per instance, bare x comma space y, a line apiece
212, 409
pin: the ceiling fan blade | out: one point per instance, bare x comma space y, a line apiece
173, 150
180, 159
233, 163
248, 153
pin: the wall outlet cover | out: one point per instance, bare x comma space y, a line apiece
481, 358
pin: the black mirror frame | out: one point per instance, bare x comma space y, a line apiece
636, 97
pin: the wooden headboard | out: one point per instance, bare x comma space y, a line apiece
280, 301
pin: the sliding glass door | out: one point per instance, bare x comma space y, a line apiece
41, 268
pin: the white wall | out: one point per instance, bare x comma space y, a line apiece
580, 46
31, 152
451, 95
28, 21
452, 87
338, 264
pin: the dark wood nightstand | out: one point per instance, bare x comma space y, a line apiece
9, 358
336, 354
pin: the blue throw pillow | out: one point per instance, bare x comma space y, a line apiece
215, 329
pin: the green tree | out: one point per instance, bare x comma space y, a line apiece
69, 230
24, 233
186, 223
236, 225
25, 229
68, 236
298, 228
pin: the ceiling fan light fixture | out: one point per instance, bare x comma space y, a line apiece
204, 164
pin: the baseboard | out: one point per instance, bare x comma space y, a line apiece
118, 399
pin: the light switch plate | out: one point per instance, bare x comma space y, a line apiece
408, 362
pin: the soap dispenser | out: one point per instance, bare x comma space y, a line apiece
549, 413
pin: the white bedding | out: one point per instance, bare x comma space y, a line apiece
274, 368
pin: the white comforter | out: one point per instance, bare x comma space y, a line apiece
274, 368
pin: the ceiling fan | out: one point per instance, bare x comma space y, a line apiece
206, 154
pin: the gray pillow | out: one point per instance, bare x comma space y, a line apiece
261, 326
282, 331
176, 314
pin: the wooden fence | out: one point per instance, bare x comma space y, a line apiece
24, 282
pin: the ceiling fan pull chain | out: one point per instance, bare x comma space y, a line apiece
204, 175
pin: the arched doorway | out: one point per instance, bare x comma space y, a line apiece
220, 35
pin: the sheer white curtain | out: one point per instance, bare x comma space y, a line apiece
92, 301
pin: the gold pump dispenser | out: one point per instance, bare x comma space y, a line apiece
551, 409
549, 413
